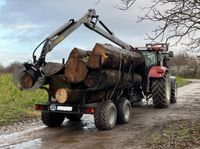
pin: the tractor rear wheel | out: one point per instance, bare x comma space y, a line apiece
52, 119
105, 115
74, 117
124, 111
174, 91
161, 92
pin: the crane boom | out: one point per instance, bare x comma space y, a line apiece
90, 20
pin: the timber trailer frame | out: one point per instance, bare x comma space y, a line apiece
106, 113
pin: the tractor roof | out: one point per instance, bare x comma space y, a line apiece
154, 47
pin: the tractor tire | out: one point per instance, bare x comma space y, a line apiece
74, 117
52, 119
174, 91
161, 92
124, 111
105, 115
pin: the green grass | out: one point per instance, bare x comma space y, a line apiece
180, 81
16, 105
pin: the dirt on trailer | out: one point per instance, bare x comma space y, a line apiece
84, 134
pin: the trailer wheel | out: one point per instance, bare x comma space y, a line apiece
124, 111
161, 92
74, 117
174, 91
105, 115
52, 119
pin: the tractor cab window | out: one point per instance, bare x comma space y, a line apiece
150, 58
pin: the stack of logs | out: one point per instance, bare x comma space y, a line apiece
82, 71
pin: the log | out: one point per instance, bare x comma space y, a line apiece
98, 95
110, 78
112, 56
76, 70
79, 53
26, 81
71, 96
75, 96
56, 82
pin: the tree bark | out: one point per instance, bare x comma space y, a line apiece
79, 53
111, 57
76, 70
109, 77
98, 96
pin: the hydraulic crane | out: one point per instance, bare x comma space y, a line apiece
35, 69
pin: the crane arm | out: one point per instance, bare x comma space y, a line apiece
90, 20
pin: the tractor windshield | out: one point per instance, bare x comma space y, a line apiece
150, 58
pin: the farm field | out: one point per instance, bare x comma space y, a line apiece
16, 105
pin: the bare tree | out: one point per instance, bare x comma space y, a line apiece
180, 20
10, 68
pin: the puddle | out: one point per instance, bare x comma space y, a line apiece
33, 144
4, 138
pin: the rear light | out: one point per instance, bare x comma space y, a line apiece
89, 110
40, 107
160, 71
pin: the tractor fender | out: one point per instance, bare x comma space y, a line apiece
157, 71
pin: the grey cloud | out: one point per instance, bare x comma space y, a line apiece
51, 14
44, 16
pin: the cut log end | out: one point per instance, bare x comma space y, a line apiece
66, 95
61, 95
26, 81
74, 53
79, 53
94, 61
76, 70
98, 50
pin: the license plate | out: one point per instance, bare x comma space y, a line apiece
64, 108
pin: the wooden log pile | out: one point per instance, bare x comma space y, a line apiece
103, 68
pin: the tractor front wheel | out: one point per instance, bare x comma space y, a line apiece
174, 91
161, 91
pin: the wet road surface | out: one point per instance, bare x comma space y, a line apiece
84, 134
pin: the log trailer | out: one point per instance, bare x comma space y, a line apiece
150, 79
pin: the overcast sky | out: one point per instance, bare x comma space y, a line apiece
25, 23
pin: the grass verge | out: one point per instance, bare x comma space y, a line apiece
16, 105
177, 135
182, 134
181, 82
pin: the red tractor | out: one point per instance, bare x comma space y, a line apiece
157, 82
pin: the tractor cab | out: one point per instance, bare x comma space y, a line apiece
156, 54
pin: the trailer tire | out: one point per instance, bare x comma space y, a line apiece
74, 117
161, 91
105, 115
124, 111
174, 91
52, 119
